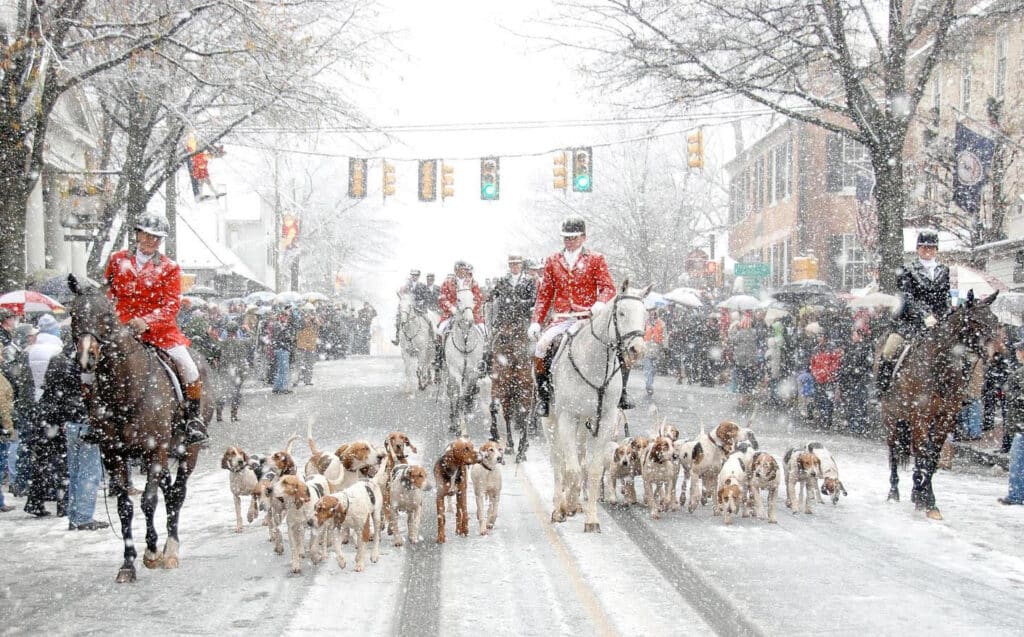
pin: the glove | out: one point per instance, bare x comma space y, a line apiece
533, 331
930, 321
597, 307
138, 325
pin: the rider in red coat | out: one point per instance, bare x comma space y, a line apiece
449, 299
576, 282
145, 286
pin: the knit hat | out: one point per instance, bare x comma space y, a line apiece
48, 325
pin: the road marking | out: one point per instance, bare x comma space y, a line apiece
584, 593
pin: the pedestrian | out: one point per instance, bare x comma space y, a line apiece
824, 368
654, 336
365, 318
746, 358
1014, 426
282, 341
15, 369
6, 433
45, 437
307, 339
232, 368
857, 361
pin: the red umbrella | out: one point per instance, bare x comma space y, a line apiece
22, 301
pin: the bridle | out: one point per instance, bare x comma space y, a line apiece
611, 369
412, 317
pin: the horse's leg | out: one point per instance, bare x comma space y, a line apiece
175, 498
931, 465
155, 471
494, 419
595, 467
118, 473
894, 477
521, 415
558, 461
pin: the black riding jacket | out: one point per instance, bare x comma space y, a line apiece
922, 296
514, 303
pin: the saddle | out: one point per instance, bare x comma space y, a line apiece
172, 371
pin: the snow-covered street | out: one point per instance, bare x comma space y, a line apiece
864, 567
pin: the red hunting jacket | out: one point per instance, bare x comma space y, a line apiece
563, 291
449, 300
152, 294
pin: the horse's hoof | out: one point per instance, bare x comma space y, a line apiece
933, 514
592, 527
171, 562
152, 561
126, 575
894, 496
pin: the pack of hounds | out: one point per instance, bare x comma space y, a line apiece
724, 464
355, 492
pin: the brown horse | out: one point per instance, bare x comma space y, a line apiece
133, 408
512, 388
919, 411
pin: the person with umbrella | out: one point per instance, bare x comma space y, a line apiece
924, 290
146, 288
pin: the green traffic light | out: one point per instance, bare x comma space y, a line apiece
489, 191
582, 183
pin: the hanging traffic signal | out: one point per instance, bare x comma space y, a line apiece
489, 180
695, 149
356, 178
561, 171
389, 180
582, 170
428, 180
447, 181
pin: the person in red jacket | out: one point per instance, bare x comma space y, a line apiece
576, 282
449, 299
145, 286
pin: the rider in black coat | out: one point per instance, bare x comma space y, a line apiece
924, 291
514, 295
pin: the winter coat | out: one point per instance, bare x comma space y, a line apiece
1015, 401
921, 295
308, 336
513, 302
152, 294
39, 356
565, 291
6, 409
744, 347
449, 300
62, 400
282, 335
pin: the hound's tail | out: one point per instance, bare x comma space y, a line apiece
291, 440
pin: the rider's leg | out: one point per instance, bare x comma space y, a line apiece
887, 364
195, 426
540, 371
398, 324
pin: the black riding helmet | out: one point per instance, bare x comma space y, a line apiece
573, 227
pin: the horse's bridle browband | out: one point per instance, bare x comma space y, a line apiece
617, 346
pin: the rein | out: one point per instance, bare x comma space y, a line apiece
616, 346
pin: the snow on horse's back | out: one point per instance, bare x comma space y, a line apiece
587, 385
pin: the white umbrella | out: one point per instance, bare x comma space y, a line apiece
876, 299
284, 298
742, 302
21, 301
1009, 308
963, 278
262, 296
773, 314
315, 296
684, 296
653, 300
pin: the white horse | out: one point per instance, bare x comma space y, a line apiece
586, 382
416, 338
463, 354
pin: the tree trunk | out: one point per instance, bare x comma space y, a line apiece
171, 243
891, 201
13, 203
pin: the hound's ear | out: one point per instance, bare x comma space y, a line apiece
73, 284
625, 285
842, 489
991, 297
646, 291
224, 462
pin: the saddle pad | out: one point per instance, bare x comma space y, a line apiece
163, 357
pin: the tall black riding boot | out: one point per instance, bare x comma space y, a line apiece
398, 324
624, 400
884, 379
540, 370
195, 426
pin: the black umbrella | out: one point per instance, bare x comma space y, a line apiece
809, 292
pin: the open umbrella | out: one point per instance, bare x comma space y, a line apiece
285, 298
684, 296
315, 296
742, 302
963, 278
195, 301
875, 299
808, 292
654, 300
204, 291
27, 301
262, 296
1009, 308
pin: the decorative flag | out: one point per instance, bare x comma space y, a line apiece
973, 155
289, 232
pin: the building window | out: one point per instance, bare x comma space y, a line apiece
965, 86
759, 184
769, 162
738, 198
779, 260
1002, 45
937, 89
845, 158
783, 170
853, 264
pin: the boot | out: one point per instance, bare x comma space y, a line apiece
624, 400
219, 411
540, 371
487, 362
234, 413
884, 379
195, 427
394, 341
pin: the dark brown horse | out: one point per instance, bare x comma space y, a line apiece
512, 388
133, 407
919, 411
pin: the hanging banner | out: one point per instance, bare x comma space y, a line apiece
973, 155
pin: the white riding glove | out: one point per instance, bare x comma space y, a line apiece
533, 331
930, 321
597, 307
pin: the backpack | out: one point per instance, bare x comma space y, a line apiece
744, 347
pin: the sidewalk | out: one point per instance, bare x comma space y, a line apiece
984, 451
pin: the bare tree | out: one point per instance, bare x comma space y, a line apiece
853, 67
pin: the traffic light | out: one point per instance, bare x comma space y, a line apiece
389, 180
356, 178
447, 181
489, 180
582, 168
561, 171
428, 180
695, 149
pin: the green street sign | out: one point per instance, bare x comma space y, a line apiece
753, 270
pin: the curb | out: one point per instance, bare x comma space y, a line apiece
979, 457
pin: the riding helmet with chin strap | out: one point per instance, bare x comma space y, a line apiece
153, 224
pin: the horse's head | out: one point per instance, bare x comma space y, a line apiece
464, 306
626, 324
974, 323
93, 321
404, 306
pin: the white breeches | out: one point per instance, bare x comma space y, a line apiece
442, 328
548, 335
183, 361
